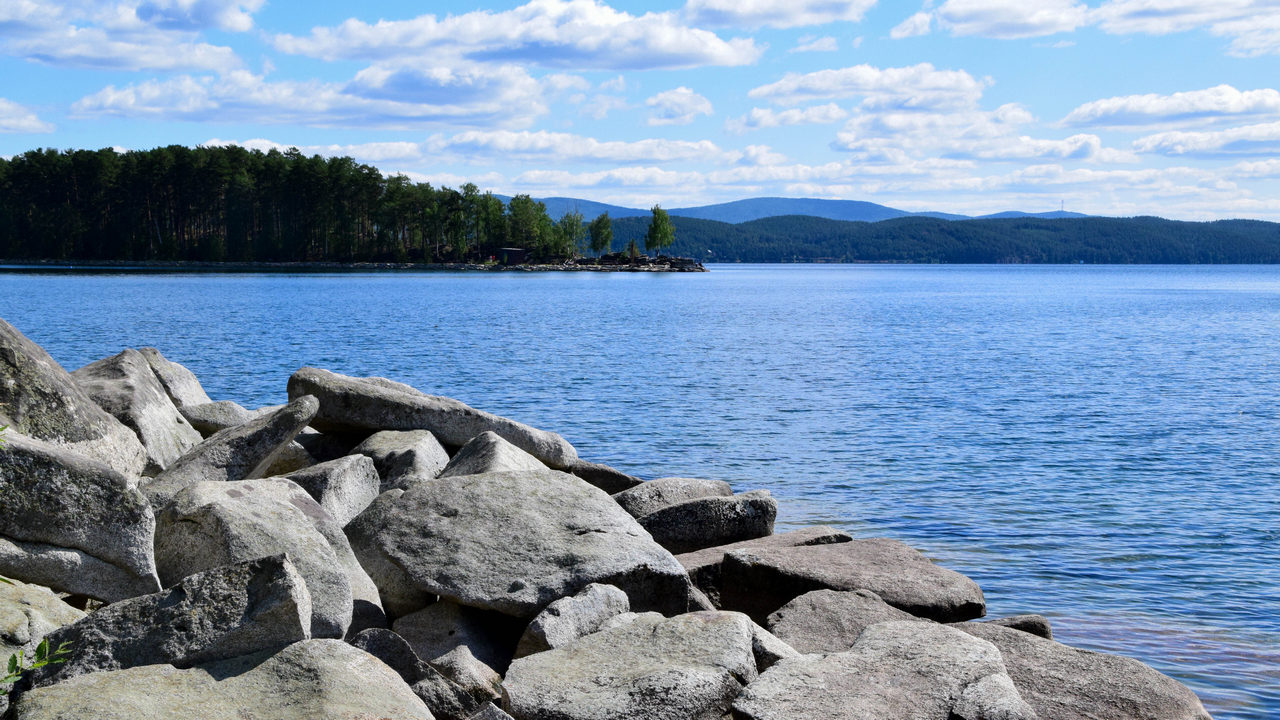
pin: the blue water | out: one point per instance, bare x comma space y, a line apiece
1098, 444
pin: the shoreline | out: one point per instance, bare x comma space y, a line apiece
664, 264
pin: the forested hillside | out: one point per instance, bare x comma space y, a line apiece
928, 240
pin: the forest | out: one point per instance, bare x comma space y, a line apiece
232, 204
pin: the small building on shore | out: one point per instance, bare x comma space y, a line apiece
511, 256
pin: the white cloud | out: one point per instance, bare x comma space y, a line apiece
579, 34
1011, 18
680, 106
15, 118
377, 99
1261, 139
770, 118
1212, 103
914, 26
566, 147
917, 86
233, 15
1252, 25
809, 43
774, 13
599, 106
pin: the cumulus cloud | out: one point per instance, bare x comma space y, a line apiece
374, 99
15, 118
774, 13
914, 26
233, 15
915, 86
1212, 103
553, 146
1011, 18
1261, 139
680, 106
809, 43
579, 34
770, 118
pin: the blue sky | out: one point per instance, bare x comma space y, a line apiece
1115, 107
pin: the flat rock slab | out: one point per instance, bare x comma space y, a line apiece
372, 404
233, 610
827, 621
41, 400
27, 614
663, 492
343, 487
181, 384
488, 452
404, 456
760, 581
125, 386
1065, 683
712, 521
703, 566
896, 671
243, 452
73, 524
516, 541
689, 667
310, 680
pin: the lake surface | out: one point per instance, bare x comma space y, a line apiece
1097, 444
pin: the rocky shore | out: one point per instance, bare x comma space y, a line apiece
371, 551
616, 262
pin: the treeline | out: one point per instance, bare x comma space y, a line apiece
233, 204
1141, 240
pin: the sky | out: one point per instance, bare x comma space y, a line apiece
1107, 107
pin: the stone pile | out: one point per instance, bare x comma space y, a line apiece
371, 551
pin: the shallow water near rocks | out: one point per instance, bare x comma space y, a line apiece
1098, 444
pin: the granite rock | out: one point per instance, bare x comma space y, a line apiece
440, 628
27, 614
704, 566
569, 618
827, 621
712, 521
604, 477
214, 417
654, 495
488, 452
404, 456
179, 382
343, 487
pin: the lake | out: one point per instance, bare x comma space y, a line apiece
1097, 444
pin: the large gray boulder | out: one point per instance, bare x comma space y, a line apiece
665, 492
567, 619
216, 523
488, 452
41, 400
709, 522
1065, 683
404, 456
343, 487
827, 621
73, 524
442, 627
896, 671
27, 614
180, 383
354, 404
399, 594
610, 480
760, 581
689, 667
125, 386
310, 680
243, 452
214, 417
233, 610
516, 541
704, 566
446, 699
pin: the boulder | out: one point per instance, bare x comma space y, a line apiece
397, 591
354, 404
462, 668
895, 671
488, 452
326, 447
41, 400
708, 522
689, 667
216, 523
490, 712
214, 417
768, 648
604, 477
760, 581
180, 383
291, 458
827, 621
664, 492
1065, 683
516, 541
27, 614
404, 456
440, 628
124, 386
343, 487
446, 699
73, 524
1037, 625
233, 610
703, 566
244, 452
310, 680
570, 618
